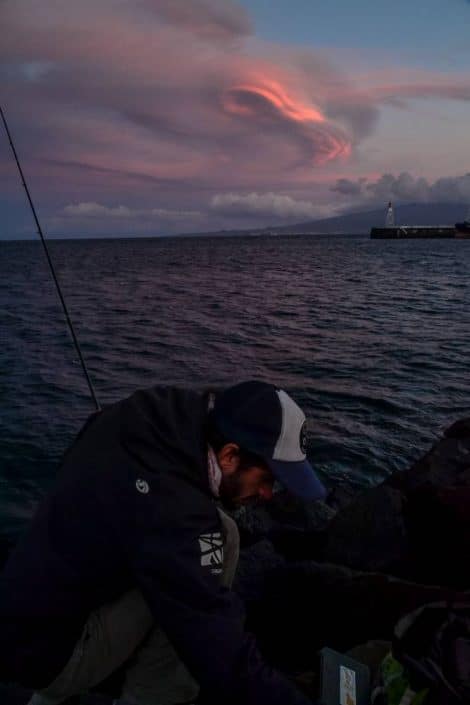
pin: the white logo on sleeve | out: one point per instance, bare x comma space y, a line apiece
142, 486
212, 551
347, 686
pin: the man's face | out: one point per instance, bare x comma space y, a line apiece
242, 485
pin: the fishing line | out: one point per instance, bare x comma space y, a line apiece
51, 266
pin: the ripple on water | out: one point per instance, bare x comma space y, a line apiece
371, 339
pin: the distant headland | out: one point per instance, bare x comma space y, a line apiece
360, 222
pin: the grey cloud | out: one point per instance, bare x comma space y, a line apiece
263, 205
448, 188
90, 209
399, 95
361, 117
348, 187
210, 18
406, 188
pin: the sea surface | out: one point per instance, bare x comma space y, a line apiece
371, 337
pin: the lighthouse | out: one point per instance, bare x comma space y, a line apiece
390, 217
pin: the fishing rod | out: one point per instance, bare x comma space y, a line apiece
51, 266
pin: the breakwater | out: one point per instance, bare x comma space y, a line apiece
414, 231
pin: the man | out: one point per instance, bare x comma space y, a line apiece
124, 562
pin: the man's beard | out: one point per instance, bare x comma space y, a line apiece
230, 492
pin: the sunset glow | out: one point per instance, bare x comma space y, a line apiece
237, 101
163, 108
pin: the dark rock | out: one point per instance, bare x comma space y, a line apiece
404, 526
460, 429
341, 495
283, 514
438, 526
254, 568
6, 545
308, 516
370, 533
296, 529
373, 530
254, 523
309, 605
16, 695
297, 545
388, 550
446, 464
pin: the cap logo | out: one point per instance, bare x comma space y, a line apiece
303, 438
142, 486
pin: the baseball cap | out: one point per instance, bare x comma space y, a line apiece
266, 421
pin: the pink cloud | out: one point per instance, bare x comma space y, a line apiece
163, 103
146, 93
398, 86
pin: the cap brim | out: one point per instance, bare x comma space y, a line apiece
299, 478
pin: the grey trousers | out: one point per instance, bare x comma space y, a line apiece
125, 631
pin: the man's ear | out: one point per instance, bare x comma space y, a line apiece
228, 458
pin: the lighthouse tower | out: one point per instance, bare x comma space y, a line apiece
390, 217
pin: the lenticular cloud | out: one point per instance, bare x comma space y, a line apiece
161, 104
160, 90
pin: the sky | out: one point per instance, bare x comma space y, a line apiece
155, 117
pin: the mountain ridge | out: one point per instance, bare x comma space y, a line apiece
359, 222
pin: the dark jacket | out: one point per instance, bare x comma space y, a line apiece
131, 501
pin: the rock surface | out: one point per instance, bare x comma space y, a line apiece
342, 578
370, 533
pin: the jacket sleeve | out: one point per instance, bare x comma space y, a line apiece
203, 620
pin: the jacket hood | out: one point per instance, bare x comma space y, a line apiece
164, 428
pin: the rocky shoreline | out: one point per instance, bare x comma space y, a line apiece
340, 573
382, 529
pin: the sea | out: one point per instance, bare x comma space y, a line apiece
371, 337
